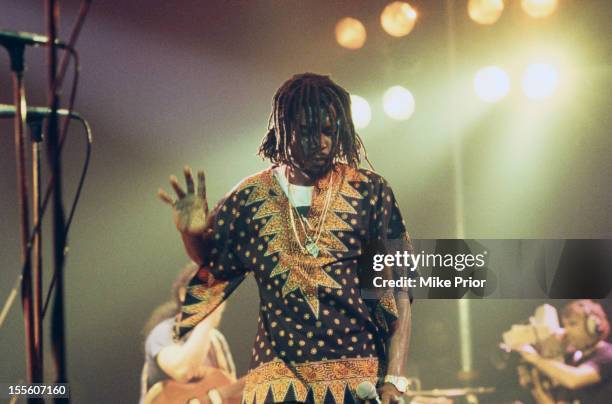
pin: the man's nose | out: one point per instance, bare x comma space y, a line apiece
324, 143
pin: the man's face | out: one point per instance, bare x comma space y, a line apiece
312, 153
575, 331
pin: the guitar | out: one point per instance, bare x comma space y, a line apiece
173, 392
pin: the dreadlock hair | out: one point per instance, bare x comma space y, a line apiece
309, 95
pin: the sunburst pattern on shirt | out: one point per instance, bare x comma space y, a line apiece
305, 273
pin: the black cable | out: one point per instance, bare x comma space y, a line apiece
75, 79
71, 52
36, 228
76, 29
89, 138
73, 91
74, 203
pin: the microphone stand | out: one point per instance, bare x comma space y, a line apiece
31, 243
58, 336
35, 126
32, 317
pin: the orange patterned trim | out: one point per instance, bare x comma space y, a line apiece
387, 302
304, 273
333, 375
209, 297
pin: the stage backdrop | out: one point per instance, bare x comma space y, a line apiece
167, 83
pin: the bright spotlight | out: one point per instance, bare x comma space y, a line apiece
491, 84
350, 33
539, 8
398, 18
540, 81
485, 11
360, 109
398, 103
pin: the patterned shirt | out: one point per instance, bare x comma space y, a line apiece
317, 338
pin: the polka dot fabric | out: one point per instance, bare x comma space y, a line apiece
311, 316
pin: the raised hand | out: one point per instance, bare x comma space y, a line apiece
190, 208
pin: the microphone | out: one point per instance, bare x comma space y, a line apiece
34, 113
11, 39
367, 391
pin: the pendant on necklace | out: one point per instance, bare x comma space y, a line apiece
312, 248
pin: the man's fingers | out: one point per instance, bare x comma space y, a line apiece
188, 179
177, 188
201, 185
163, 195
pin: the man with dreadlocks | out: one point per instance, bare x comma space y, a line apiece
305, 228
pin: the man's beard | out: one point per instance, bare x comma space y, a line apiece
313, 172
318, 171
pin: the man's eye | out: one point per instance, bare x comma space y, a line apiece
329, 131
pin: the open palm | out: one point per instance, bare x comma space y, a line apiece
190, 208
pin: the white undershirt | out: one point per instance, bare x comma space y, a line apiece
300, 195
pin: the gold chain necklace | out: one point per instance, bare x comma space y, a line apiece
310, 246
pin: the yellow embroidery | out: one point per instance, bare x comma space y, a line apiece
334, 375
209, 297
304, 272
387, 302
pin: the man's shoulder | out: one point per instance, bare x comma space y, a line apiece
351, 174
364, 175
239, 191
259, 178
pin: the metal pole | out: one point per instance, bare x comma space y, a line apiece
463, 304
36, 138
33, 375
58, 336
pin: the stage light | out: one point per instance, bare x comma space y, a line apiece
350, 33
360, 109
485, 11
491, 84
398, 18
398, 103
539, 8
540, 81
